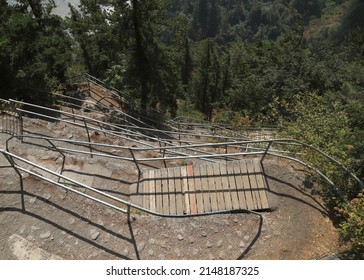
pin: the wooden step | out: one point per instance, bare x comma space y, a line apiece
203, 188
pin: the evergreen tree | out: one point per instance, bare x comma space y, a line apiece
36, 51
213, 20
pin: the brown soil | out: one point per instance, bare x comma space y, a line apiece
73, 227
60, 223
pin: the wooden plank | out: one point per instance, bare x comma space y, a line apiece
225, 186
164, 190
240, 185
186, 199
191, 189
158, 190
253, 185
198, 188
178, 187
219, 187
144, 189
211, 187
232, 185
205, 189
246, 184
172, 191
261, 184
151, 193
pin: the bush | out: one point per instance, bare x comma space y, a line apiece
352, 229
226, 116
326, 126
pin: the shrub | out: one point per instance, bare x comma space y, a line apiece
326, 126
352, 229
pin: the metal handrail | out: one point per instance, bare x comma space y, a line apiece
143, 124
84, 124
157, 114
263, 153
152, 112
120, 200
148, 128
173, 123
105, 85
190, 146
171, 149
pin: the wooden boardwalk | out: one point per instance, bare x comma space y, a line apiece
204, 188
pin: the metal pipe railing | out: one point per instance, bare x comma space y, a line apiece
84, 121
193, 146
128, 204
277, 141
264, 152
136, 160
170, 149
121, 128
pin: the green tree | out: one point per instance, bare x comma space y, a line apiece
355, 112
36, 51
153, 69
200, 24
309, 8
95, 37
206, 76
214, 20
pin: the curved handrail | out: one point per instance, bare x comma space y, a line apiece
196, 147
168, 145
128, 204
228, 156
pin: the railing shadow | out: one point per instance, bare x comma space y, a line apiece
71, 231
255, 239
316, 204
310, 202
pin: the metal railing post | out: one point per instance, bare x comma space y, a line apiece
164, 155
266, 151
88, 136
179, 133
101, 129
89, 86
73, 114
135, 162
226, 152
12, 163
62, 154
21, 125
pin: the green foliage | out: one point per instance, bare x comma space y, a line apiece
297, 63
355, 112
95, 39
352, 229
337, 131
205, 80
324, 125
188, 110
309, 9
317, 122
35, 50
229, 117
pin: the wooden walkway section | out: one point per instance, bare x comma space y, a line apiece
204, 188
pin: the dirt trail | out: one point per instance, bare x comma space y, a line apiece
71, 227
47, 222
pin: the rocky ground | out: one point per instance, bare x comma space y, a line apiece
46, 222
59, 224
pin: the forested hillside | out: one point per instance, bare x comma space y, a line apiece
297, 64
218, 56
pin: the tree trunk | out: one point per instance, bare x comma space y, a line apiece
142, 63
